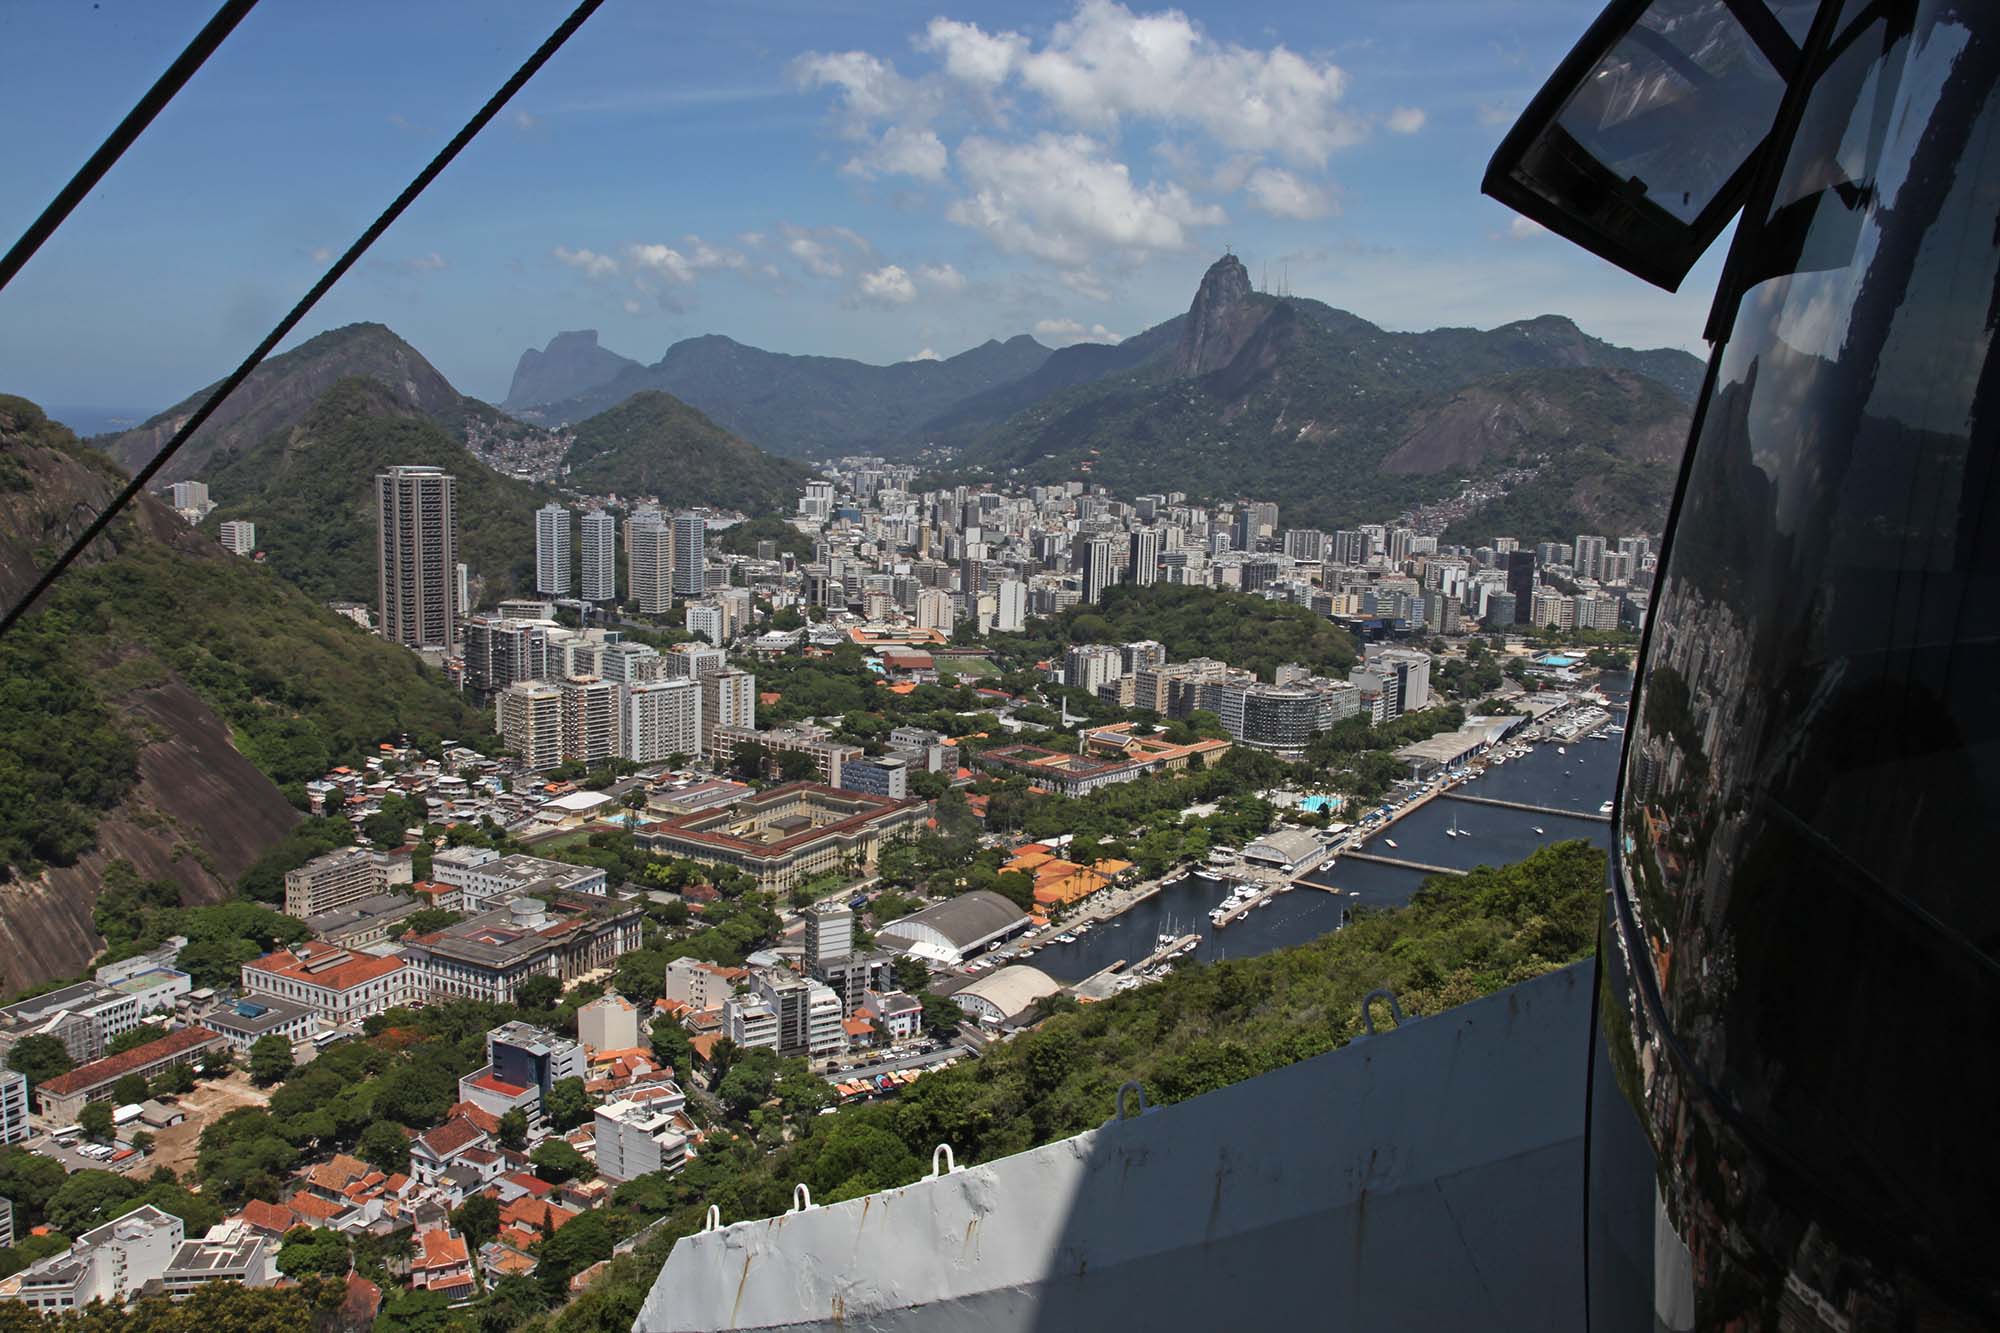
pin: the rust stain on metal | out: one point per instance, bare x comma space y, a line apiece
741, 1283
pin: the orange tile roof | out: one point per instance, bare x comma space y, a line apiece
454, 1134
311, 1207
114, 1067
272, 1217
358, 969
517, 1237
477, 1114
438, 1248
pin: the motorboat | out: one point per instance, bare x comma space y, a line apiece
1538, 828
1390, 841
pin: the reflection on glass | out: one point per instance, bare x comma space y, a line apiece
1804, 898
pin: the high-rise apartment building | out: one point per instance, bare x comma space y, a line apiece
1096, 566
728, 699
417, 556
589, 719
1010, 610
238, 537
1589, 559
659, 719
709, 620
690, 559
190, 495
600, 557
694, 660
934, 610
499, 652
552, 551
649, 562
529, 714
1145, 556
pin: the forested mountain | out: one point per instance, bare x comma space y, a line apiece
280, 392
1342, 421
808, 406
655, 444
156, 699
571, 364
310, 489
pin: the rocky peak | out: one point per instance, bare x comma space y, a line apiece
1220, 321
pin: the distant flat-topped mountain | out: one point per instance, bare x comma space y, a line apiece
571, 364
806, 406
280, 392
1341, 421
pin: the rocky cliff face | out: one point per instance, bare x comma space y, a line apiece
1224, 315
199, 813
571, 364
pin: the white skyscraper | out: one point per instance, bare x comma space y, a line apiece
1011, 609
649, 562
690, 562
660, 719
600, 545
239, 536
552, 551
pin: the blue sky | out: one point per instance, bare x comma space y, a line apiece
872, 180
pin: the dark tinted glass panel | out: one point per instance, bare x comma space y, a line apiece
1802, 1004
1636, 150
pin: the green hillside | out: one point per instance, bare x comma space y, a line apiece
159, 604
310, 491
655, 444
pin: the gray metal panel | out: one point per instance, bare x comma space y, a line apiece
1428, 1178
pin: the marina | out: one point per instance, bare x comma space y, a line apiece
1504, 813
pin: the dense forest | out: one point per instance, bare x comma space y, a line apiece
655, 444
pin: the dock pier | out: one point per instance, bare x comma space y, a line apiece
1592, 815
1401, 864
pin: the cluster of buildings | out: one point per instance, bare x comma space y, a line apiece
637, 1125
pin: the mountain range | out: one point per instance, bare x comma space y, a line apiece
1246, 393
798, 406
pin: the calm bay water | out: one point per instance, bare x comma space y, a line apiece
1579, 780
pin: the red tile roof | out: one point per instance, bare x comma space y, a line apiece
312, 1208
272, 1217
454, 1134
114, 1067
534, 1185
477, 1114
438, 1248
494, 1083
314, 968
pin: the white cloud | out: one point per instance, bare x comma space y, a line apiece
888, 285
869, 88
681, 265
901, 152
1084, 283
1525, 229
819, 258
429, 263
1496, 113
1106, 63
926, 355
1281, 194
1063, 198
591, 263
632, 307
320, 254
972, 55
524, 121
1064, 332
1405, 120
942, 276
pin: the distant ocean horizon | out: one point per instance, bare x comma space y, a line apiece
98, 420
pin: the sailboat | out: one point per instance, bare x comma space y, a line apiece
1453, 832
1561, 750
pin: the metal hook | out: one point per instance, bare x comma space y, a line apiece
802, 1198
1367, 1006
950, 1162
1133, 1086
714, 1222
